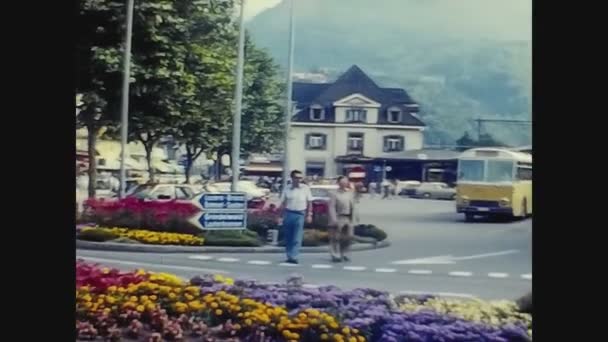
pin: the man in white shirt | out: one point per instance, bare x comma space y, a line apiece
296, 204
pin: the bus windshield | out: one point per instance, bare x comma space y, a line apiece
470, 170
491, 171
499, 171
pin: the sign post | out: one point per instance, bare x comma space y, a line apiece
220, 211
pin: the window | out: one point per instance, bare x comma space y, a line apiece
315, 141
500, 171
394, 115
471, 170
317, 113
314, 168
524, 173
393, 143
355, 142
356, 115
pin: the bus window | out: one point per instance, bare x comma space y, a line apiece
470, 170
524, 173
500, 171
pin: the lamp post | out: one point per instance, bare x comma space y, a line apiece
238, 99
124, 112
288, 102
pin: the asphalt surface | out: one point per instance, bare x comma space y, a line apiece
432, 251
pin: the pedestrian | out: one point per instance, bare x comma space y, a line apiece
342, 206
296, 204
372, 189
386, 185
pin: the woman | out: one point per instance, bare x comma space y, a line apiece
342, 211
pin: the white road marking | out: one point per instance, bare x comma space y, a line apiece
385, 270
527, 276
441, 294
354, 268
449, 259
321, 266
145, 264
286, 264
258, 262
460, 274
201, 257
420, 271
498, 275
228, 259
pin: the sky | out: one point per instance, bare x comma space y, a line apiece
253, 7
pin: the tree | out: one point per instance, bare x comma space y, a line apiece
99, 33
466, 142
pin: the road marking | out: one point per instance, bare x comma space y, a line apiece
460, 274
286, 264
441, 294
449, 259
385, 270
354, 268
228, 259
321, 266
145, 264
258, 262
420, 271
527, 276
498, 275
201, 257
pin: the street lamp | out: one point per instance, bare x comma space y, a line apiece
238, 99
288, 103
124, 113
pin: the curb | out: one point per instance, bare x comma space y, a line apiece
125, 247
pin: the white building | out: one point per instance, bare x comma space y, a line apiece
351, 123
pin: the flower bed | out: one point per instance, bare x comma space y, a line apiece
213, 308
139, 235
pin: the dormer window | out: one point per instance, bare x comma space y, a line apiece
317, 113
356, 115
394, 115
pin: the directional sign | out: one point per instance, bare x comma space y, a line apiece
221, 200
377, 168
216, 220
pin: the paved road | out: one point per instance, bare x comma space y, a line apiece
433, 251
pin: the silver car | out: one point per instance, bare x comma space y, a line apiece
435, 190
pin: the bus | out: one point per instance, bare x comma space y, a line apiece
494, 182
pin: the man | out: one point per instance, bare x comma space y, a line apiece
296, 204
341, 215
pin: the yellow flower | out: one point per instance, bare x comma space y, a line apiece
112, 288
219, 312
105, 270
140, 308
248, 322
346, 331
361, 338
133, 299
333, 325
286, 333
352, 339
110, 300
214, 305
324, 337
153, 297
172, 295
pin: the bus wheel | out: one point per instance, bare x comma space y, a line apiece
468, 217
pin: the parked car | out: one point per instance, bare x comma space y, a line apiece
435, 190
321, 192
246, 186
407, 188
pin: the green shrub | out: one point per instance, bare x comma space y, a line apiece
369, 230
97, 235
232, 238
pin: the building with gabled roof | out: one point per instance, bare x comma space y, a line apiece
352, 123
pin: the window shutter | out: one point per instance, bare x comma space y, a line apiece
401, 143
386, 148
324, 143
364, 116
307, 141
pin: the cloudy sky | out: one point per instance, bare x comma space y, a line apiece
254, 7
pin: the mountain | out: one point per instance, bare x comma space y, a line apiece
461, 60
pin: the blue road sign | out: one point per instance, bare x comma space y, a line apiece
377, 168
222, 200
228, 219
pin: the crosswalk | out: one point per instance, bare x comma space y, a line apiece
361, 268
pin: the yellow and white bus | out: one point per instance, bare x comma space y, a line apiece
494, 181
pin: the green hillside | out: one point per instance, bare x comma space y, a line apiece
460, 60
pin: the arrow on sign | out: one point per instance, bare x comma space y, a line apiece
221, 200
449, 259
226, 219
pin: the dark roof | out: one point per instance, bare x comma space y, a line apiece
354, 80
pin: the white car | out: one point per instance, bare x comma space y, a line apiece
321, 192
246, 186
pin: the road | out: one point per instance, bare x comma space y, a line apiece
432, 251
